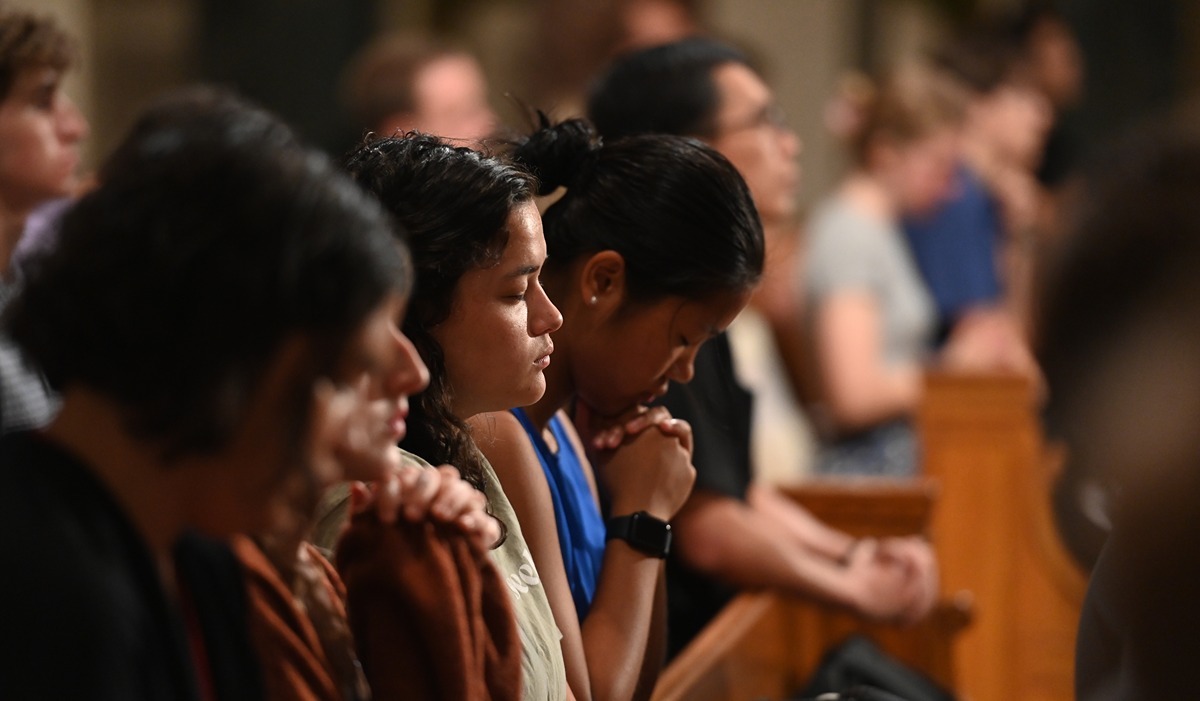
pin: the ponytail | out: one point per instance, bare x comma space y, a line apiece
677, 211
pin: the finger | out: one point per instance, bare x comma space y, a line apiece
425, 487
360, 497
482, 527
681, 430
613, 437
454, 496
459, 501
387, 497
653, 416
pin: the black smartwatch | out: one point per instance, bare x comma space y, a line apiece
642, 531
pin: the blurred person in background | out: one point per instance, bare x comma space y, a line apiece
402, 83
40, 133
871, 317
973, 251
1118, 341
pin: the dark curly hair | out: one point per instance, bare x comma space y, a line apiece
452, 204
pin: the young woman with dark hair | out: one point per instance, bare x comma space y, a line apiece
481, 321
654, 248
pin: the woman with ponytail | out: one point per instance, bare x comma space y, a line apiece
654, 246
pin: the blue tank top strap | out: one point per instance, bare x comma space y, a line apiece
581, 530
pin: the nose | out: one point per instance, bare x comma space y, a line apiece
790, 142
409, 375
72, 126
1045, 114
684, 367
544, 317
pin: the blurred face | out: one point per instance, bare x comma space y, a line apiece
1057, 63
452, 100
631, 357
921, 173
388, 370
271, 481
496, 341
750, 132
1015, 119
40, 131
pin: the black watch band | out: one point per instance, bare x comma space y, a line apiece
644, 532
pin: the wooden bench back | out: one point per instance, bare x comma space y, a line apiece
766, 645
995, 537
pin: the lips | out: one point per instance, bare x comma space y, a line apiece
652, 396
543, 360
396, 424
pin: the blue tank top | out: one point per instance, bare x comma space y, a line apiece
581, 530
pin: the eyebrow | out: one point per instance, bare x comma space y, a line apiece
524, 270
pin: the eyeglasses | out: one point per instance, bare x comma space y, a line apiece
770, 116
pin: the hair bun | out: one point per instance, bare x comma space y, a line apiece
559, 155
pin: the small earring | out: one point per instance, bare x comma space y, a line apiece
592, 301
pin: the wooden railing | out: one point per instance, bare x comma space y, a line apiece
1005, 627
765, 645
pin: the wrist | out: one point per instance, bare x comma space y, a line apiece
621, 507
642, 531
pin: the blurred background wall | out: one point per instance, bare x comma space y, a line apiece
289, 53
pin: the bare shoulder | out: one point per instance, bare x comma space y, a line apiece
503, 441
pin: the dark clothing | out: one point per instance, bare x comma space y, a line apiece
87, 616
719, 410
1098, 648
1139, 630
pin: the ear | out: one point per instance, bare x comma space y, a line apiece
602, 279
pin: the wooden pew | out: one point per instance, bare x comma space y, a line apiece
995, 537
880, 508
742, 654
766, 645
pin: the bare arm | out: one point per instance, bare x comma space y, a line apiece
607, 654
795, 522
861, 388
656, 638
503, 442
728, 540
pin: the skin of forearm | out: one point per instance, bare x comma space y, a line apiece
798, 522
867, 401
617, 630
727, 540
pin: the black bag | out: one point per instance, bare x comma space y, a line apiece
857, 670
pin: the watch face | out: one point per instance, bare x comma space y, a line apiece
650, 534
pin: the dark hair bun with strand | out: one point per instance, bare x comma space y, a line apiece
559, 155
